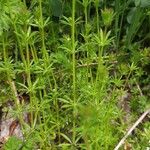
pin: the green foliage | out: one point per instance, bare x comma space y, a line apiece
14, 143
71, 65
107, 17
56, 7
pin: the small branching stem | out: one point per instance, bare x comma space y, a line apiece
132, 128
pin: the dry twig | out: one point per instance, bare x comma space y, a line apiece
132, 128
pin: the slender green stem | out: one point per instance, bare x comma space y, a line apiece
99, 62
97, 15
45, 54
34, 53
42, 33
117, 10
4, 50
73, 67
97, 21
11, 82
86, 34
19, 44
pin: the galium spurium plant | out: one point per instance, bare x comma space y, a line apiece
62, 69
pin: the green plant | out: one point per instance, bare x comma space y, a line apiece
71, 66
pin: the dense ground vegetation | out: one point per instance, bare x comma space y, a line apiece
74, 74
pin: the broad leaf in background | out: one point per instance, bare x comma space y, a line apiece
131, 15
142, 3
56, 7
135, 19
